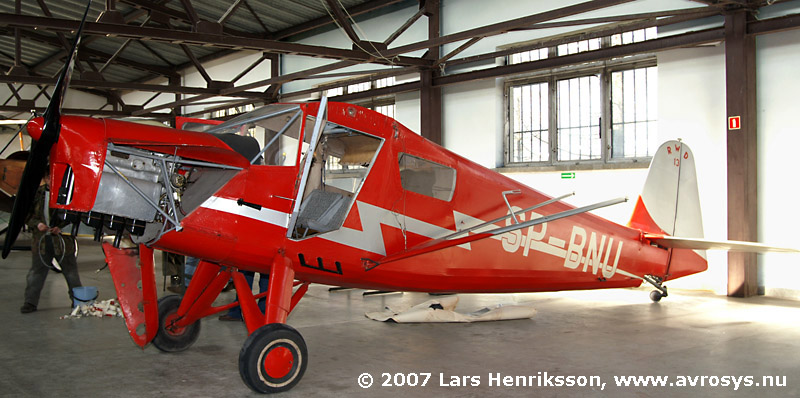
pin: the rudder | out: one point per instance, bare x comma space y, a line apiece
670, 203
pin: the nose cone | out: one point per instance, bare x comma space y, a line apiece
35, 127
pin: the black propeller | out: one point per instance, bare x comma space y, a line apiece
36, 167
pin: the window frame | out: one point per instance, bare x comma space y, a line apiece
452, 189
603, 69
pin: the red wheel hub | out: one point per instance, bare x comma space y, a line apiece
172, 330
278, 362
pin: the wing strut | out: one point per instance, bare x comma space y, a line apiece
482, 225
444, 243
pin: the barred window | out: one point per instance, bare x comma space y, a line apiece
605, 111
530, 131
387, 110
579, 118
634, 112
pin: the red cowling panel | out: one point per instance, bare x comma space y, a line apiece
188, 144
82, 146
126, 276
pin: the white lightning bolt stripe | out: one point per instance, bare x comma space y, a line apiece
370, 238
266, 215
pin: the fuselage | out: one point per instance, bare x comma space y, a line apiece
389, 191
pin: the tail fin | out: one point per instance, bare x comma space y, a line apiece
670, 203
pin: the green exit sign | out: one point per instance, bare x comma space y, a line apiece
568, 176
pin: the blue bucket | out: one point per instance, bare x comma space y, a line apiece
84, 295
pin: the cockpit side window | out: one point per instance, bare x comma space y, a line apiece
426, 178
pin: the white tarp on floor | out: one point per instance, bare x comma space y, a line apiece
442, 309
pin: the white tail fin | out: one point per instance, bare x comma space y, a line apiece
668, 212
670, 203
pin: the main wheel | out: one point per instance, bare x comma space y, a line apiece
273, 358
173, 339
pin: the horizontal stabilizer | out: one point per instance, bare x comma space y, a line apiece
704, 244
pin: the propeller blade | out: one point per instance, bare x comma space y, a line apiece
36, 167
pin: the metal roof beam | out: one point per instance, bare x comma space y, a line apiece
584, 35
404, 26
687, 39
326, 20
232, 9
202, 39
178, 15
84, 51
342, 21
77, 111
502, 27
80, 83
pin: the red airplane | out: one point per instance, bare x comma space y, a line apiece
335, 194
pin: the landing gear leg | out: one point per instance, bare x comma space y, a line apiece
274, 356
661, 290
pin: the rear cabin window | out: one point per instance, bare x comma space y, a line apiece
427, 178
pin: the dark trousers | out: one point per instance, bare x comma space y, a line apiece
38, 272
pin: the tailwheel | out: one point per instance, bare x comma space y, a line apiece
661, 290
273, 358
173, 339
656, 296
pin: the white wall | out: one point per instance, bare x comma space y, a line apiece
470, 116
226, 69
779, 138
407, 110
691, 106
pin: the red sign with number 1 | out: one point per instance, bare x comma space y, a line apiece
734, 123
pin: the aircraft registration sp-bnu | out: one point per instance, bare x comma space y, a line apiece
336, 194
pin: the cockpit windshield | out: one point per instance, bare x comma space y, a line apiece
275, 128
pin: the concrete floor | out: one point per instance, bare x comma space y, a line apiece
602, 333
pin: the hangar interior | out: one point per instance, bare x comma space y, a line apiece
562, 96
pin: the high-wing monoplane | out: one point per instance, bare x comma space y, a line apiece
337, 194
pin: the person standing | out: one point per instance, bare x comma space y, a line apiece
43, 254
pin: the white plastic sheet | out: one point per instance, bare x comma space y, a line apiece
442, 309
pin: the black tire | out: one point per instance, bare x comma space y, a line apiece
656, 296
173, 340
273, 358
